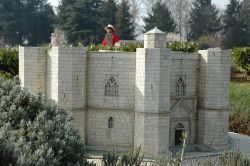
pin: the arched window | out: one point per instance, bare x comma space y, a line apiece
179, 129
111, 88
180, 87
111, 123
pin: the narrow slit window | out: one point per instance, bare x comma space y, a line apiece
180, 87
111, 123
111, 88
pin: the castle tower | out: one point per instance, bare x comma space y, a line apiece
152, 94
214, 88
32, 69
66, 81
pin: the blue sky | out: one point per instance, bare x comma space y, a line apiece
220, 3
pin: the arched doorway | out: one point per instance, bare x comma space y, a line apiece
179, 129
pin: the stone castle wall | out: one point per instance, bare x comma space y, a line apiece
101, 67
157, 92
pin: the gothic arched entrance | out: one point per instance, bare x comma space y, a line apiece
179, 129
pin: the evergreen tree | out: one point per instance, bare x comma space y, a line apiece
39, 23
108, 13
203, 19
11, 21
78, 18
233, 29
124, 22
25, 21
245, 21
160, 17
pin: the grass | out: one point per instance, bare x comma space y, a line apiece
239, 116
240, 93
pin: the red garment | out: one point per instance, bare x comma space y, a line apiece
114, 37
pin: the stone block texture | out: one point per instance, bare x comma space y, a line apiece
101, 67
100, 136
214, 89
213, 128
152, 99
214, 82
32, 69
66, 81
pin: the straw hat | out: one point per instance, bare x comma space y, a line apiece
110, 26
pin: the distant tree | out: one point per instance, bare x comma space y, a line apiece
160, 17
108, 13
39, 23
203, 20
78, 18
180, 10
26, 22
136, 10
11, 20
233, 34
98, 35
245, 21
124, 21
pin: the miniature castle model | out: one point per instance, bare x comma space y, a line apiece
146, 99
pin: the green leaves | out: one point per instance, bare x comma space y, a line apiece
26, 22
161, 18
79, 20
204, 19
34, 131
183, 46
241, 56
124, 22
9, 60
129, 47
233, 35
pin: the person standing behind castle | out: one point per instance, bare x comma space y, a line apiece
111, 37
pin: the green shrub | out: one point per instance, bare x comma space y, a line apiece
167, 160
5, 75
182, 46
239, 115
129, 47
9, 60
209, 41
241, 56
132, 158
34, 131
110, 159
98, 47
234, 158
239, 118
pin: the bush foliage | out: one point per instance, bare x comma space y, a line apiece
9, 61
241, 56
34, 131
239, 115
209, 41
129, 47
183, 46
134, 157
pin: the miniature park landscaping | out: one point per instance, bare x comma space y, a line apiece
239, 117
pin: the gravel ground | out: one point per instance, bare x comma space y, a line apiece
236, 141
